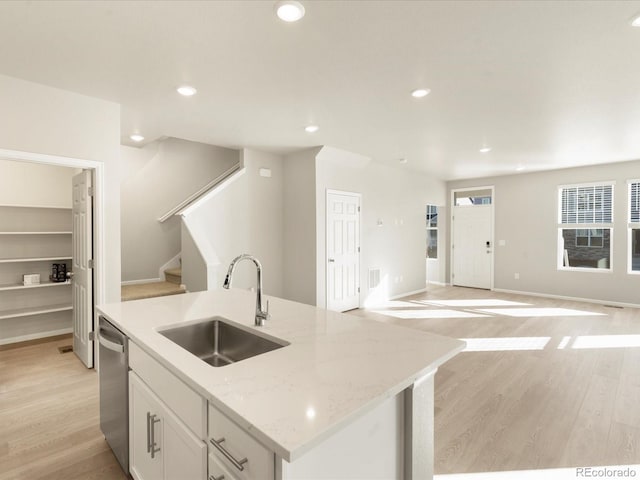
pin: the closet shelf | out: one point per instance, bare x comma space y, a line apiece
20, 286
49, 207
36, 233
32, 259
27, 312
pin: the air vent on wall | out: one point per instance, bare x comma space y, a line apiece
374, 277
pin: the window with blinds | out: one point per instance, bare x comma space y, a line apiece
634, 202
585, 226
634, 227
586, 204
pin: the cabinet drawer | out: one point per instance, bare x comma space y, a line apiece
239, 445
217, 471
188, 406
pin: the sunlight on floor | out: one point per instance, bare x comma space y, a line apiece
505, 343
539, 312
616, 471
479, 302
606, 341
424, 313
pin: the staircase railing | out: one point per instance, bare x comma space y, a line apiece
200, 193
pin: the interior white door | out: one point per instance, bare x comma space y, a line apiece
472, 246
343, 251
82, 291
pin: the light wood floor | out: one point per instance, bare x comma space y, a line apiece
495, 410
49, 417
530, 409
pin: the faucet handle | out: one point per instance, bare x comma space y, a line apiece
266, 310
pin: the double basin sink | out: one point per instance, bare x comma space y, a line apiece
219, 343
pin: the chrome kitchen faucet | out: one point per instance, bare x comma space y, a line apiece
261, 315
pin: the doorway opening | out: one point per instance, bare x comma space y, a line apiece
472, 236
52, 244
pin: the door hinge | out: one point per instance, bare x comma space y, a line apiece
91, 336
358, 208
358, 289
358, 249
90, 263
91, 192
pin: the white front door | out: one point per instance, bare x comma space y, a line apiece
343, 251
472, 246
82, 271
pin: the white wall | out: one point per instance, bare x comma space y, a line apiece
526, 217
299, 226
246, 217
395, 196
23, 183
40, 119
155, 179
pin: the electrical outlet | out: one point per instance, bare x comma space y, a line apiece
516, 276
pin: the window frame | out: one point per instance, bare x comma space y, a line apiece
584, 226
631, 226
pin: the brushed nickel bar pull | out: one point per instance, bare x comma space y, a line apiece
153, 421
148, 432
236, 463
211, 477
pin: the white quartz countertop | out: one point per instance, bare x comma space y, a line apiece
336, 368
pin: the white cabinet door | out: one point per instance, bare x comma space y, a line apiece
144, 430
185, 455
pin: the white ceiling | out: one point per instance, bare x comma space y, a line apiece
545, 84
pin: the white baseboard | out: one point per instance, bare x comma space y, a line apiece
172, 263
402, 295
574, 299
442, 284
144, 280
34, 336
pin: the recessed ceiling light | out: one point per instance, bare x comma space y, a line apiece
420, 92
187, 90
403, 160
136, 137
311, 128
635, 22
289, 10
485, 149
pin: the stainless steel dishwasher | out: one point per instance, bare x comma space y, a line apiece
114, 390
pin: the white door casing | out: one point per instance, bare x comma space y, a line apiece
82, 288
472, 246
343, 250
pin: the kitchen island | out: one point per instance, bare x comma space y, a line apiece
345, 398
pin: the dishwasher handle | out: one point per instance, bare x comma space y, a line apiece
110, 345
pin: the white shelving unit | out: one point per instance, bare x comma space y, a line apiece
32, 238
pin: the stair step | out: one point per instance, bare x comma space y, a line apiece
149, 290
173, 275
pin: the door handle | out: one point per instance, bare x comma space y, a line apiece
331, 260
109, 345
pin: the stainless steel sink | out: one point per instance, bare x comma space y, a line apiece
219, 343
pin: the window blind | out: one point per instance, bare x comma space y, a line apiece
587, 204
634, 202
